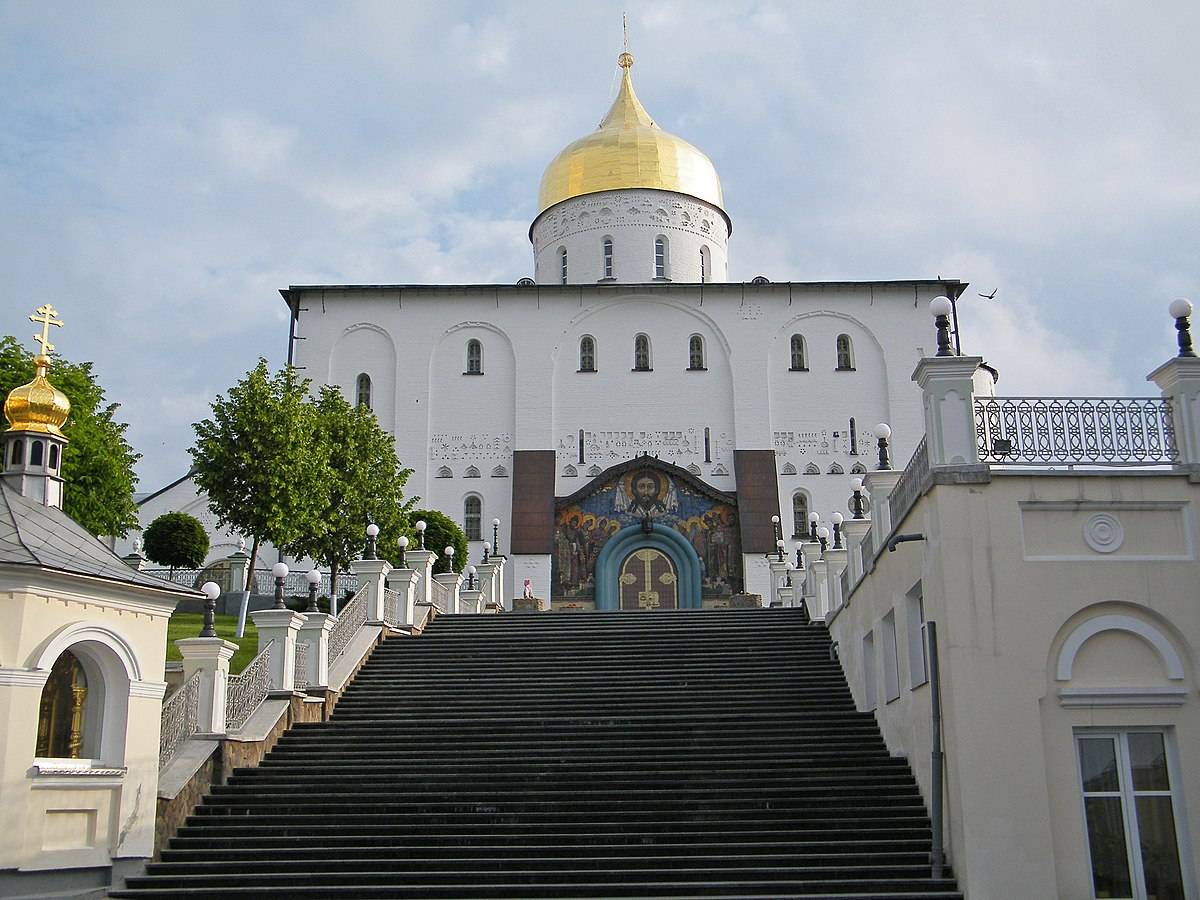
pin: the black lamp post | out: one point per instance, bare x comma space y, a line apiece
823, 537
496, 537
421, 526
211, 592
402, 543
883, 431
813, 520
1181, 310
940, 308
788, 582
313, 577
777, 527
836, 519
799, 555
471, 578
487, 548
858, 505
372, 534
779, 549
280, 571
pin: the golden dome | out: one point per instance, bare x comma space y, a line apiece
629, 151
38, 406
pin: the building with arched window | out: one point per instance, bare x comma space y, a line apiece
81, 674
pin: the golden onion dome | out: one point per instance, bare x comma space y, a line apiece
38, 406
629, 151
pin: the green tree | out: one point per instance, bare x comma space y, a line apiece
363, 483
98, 463
176, 539
258, 460
441, 531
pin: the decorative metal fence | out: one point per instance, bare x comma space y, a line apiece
180, 719
866, 549
248, 690
186, 577
1064, 431
295, 584
845, 583
300, 674
912, 484
391, 607
350, 619
439, 594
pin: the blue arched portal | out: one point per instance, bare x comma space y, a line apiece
633, 537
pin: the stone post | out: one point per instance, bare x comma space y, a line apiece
818, 600
853, 531
778, 574
372, 574
314, 631
1179, 381
469, 600
879, 486
835, 562
498, 577
281, 626
489, 574
453, 582
404, 583
239, 568
948, 385
210, 657
421, 562
786, 594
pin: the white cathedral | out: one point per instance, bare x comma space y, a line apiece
629, 359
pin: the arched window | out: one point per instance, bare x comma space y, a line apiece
695, 352
54, 456
799, 354
474, 357
641, 353
608, 258
799, 514
587, 354
473, 518
660, 257
705, 265
362, 390
36, 449
845, 353
562, 264
62, 715
18, 452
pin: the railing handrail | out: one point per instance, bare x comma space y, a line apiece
180, 719
1075, 431
350, 618
300, 669
249, 689
911, 485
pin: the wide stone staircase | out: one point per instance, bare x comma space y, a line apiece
670, 754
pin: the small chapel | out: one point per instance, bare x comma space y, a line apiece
628, 418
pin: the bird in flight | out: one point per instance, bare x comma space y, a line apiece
991, 296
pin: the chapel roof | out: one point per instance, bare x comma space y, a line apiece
40, 536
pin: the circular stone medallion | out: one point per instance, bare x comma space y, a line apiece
1104, 533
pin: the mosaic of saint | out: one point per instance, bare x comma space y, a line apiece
707, 523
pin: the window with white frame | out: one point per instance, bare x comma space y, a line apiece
660, 257
363, 390
891, 663
868, 670
914, 604
473, 518
799, 354
562, 264
587, 354
845, 353
705, 265
1129, 810
641, 353
474, 357
608, 257
799, 514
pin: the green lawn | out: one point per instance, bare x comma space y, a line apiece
188, 625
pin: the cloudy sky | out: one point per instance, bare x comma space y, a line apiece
165, 168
